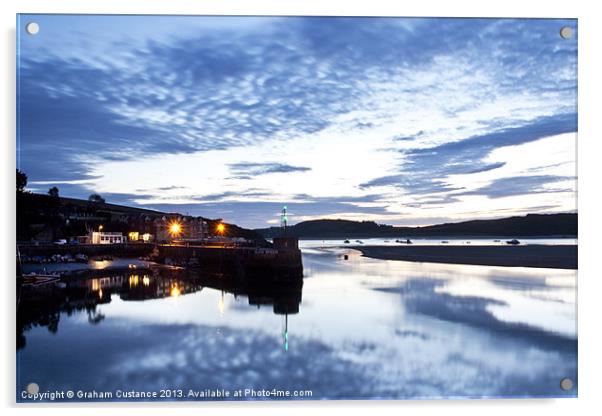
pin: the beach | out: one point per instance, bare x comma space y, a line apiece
545, 256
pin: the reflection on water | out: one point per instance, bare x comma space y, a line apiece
362, 328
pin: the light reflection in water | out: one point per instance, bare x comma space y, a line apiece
365, 328
175, 291
133, 280
221, 304
100, 264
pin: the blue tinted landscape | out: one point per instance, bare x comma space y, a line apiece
295, 208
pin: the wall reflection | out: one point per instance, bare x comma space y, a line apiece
42, 306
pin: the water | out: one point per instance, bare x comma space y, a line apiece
436, 241
91, 265
358, 328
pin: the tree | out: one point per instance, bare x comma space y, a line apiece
21, 181
54, 192
97, 199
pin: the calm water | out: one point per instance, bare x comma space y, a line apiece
439, 241
358, 328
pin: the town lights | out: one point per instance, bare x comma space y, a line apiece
175, 229
221, 228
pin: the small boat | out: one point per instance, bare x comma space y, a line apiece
81, 258
445, 242
37, 279
346, 241
359, 241
496, 241
513, 242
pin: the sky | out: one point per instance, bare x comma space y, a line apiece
404, 121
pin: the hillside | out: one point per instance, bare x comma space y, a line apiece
536, 225
46, 218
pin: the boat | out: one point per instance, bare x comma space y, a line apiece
346, 241
81, 258
514, 242
359, 241
445, 242
26, 281
496, 241
38, 279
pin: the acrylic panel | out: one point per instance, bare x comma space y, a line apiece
295, 208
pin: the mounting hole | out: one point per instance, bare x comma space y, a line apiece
32, 28
566, 32
33, 388
566, 384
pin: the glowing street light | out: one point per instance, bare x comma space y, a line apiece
221, 228
175, 229
100, 227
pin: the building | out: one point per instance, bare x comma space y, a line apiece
108, 237
135, 236
188, 228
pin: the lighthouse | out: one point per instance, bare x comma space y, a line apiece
283, 219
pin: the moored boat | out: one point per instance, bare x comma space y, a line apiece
38, 279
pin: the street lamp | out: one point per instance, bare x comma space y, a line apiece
175, 229
221, 228
100, 227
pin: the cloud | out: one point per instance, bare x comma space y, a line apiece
438, 94
216, 89
344, 199
486, 168
247, 169
256, 214
521, 185
425, 170
169, 188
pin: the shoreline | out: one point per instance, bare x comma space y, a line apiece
541, 256
444, 237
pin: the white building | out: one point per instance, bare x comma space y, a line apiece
102, 237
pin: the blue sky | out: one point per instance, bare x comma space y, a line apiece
404, 121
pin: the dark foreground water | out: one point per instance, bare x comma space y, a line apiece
357, 329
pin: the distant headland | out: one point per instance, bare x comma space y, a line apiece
531, 225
